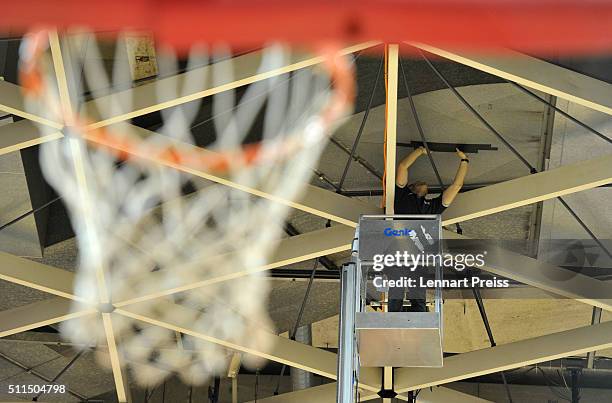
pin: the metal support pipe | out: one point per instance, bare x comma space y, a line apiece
36, 210
560, 111
595, 319
325, 179
26, 214
298, 320
585, 227
476, 114
213, 393
575, 388
535, 220
361, 127
357, 158
483, 315
419, 127
301, 379
485, 320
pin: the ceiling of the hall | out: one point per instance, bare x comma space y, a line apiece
518, 117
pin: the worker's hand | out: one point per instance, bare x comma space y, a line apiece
460, 154
421, 151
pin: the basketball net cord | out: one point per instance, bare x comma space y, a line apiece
146, 246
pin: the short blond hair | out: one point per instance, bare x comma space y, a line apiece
413, 185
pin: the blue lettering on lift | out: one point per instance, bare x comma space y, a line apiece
391, 232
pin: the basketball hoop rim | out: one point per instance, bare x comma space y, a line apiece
542, 27
175, 153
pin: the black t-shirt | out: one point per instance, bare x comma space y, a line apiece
407, 202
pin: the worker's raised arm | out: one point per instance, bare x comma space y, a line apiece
401, 175
451, 192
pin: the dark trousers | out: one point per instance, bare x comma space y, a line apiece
416, 305
417, 296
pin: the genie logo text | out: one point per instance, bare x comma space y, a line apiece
390, 232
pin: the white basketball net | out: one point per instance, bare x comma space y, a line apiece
135, 225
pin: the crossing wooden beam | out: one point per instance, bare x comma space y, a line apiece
104, 296
37, 276
281, 349
23, 134
567, 179
290, 250
12, 101
245, 69
38, 314
534, 73
313, 199
507, 356
488, 200
539, 274
476, 203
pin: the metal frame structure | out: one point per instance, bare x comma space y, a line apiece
568, 179
353, 297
